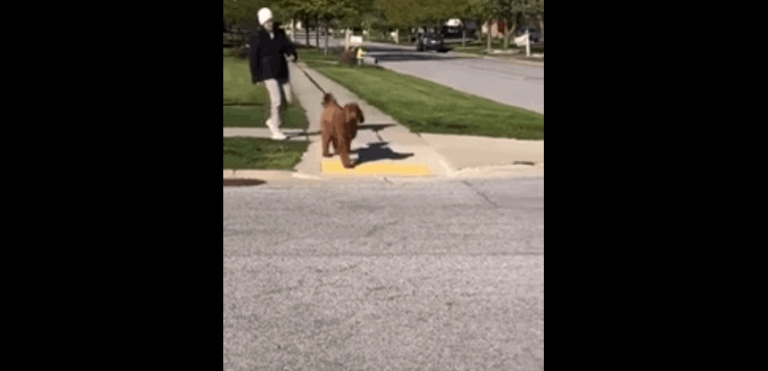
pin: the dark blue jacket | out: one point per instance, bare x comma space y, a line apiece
268, 55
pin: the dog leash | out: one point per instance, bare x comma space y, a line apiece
309, 77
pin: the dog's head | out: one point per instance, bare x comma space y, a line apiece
354, 114
328, 100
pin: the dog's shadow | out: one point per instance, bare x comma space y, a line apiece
373, 127
378, 151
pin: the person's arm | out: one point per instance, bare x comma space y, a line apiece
255, 62
288, 48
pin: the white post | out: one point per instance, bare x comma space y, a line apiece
346, 40
527, 43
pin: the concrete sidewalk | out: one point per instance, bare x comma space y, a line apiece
292, 134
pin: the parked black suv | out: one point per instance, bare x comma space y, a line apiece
429, 41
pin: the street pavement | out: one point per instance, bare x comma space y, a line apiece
514, 85
385, 276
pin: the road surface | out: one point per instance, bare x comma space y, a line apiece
377, 276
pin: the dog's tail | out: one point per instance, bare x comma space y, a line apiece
328, 98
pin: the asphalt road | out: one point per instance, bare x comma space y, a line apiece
514, 85
378, 276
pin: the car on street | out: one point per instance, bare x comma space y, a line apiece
430, 41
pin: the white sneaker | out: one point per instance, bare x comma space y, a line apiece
279, 136
269, 125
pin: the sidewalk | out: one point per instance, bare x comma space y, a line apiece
388, 149
292, 134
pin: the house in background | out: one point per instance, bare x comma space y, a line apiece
496, 28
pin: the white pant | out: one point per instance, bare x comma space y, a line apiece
276, 93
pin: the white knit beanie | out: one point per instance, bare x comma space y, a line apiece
264, 15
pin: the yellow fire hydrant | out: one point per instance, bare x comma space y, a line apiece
360, 56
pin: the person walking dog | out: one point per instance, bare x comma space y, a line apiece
268, 64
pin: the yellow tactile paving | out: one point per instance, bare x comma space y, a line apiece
333, 166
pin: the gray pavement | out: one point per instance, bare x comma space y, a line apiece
379, 276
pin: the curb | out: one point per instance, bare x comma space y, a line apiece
258, 174
513, 61
332, 167
496, 171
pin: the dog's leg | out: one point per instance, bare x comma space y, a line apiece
352, 129
335, 142
344, 152
326, 137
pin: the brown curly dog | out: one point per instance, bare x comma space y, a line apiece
338, 127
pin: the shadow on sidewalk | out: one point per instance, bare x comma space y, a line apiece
374, 127
378, 151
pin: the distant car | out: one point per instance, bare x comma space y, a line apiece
429, 41
533, 33
454, 34
451, 32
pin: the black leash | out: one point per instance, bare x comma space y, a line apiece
310, 77
314, 82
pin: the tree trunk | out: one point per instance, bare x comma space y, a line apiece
293, 30
326, 37
397, 36
463, 36
509, 31
306, 29
541, 28
478, 31
506, 36
317, 32
489, 35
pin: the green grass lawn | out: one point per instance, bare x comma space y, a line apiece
256, 116
309, 55
262, 153
246, 104
426, 107
238, 88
